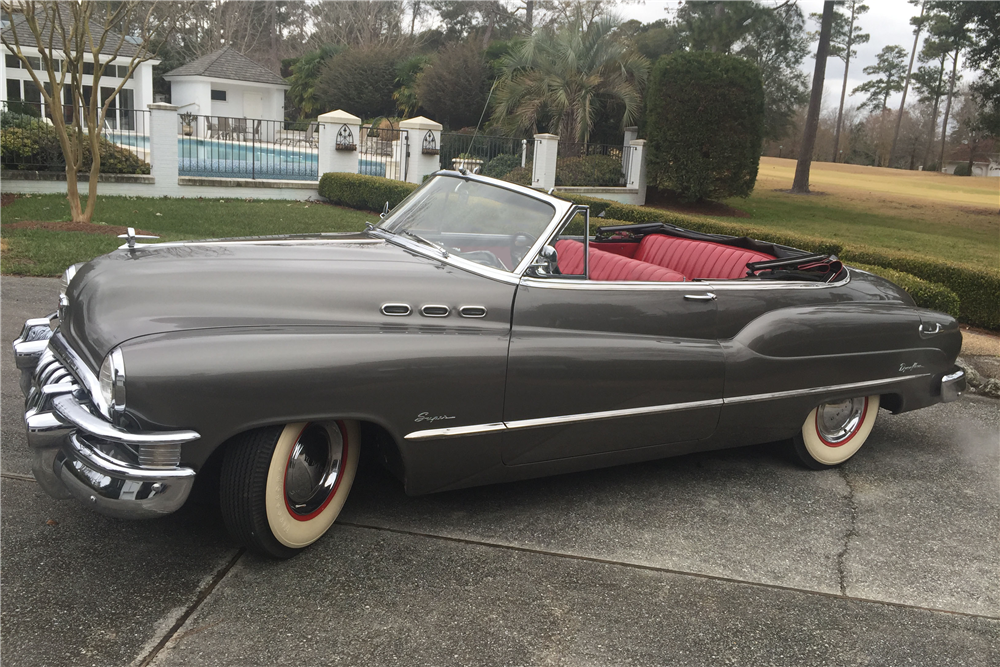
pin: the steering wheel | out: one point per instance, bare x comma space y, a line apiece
520, 244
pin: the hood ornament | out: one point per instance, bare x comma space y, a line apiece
132, 236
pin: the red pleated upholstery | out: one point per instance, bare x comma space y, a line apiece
608, 266
697, 259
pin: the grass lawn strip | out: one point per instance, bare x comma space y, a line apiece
47, 252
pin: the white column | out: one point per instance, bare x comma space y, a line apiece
543, 170
631, 134
163, 165
637, 170
421, 161
346, 158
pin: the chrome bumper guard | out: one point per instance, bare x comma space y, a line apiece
76, 454
952, 385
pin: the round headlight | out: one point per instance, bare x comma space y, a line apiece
112, 383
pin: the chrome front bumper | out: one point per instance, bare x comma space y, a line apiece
76, 454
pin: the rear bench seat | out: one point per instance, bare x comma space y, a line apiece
696, 259
609, 266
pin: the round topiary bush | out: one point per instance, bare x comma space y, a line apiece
963, 170
704, 125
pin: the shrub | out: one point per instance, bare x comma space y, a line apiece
519, 175
368, 193
925, 294
29, 144
977, 289
589, 170
501, 165
359, 81
454, 87
963, 170
704, 125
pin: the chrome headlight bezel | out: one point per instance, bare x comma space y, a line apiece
111, 382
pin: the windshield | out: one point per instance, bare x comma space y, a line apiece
482, 223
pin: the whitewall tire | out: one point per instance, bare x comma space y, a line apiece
834, 432
283, 487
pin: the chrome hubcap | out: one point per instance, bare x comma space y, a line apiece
836, 422
313, 469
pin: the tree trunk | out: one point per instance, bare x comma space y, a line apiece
933, 128
801, 183
529, 15
843, 88
947, 110
906, 86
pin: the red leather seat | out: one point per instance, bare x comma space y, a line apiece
609, 266
697, 259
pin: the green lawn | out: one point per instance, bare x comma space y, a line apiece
972, 239
45, 252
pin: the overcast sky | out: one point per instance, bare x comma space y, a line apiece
887, 21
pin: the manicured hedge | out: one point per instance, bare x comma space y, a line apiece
978, 289
704, 124
368, 193
925, 294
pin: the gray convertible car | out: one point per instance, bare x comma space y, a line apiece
481, 332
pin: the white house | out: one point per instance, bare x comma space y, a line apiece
229, 85
18, 86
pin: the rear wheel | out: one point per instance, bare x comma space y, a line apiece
282, 487
834, 432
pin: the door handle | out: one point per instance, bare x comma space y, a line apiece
699, 297
930, 329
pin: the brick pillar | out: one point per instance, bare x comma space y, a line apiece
543, 170
330, 126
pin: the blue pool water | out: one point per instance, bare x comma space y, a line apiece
208, 158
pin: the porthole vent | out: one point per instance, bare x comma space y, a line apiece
396, 309
435, 311
472, 311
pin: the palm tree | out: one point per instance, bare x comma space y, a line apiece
562, 79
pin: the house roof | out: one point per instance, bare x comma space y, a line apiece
228, 63
26, 39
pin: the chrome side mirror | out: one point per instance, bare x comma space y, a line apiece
385, 211
546, 263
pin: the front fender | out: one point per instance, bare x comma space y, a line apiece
225, 381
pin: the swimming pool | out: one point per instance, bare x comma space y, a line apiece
210, 158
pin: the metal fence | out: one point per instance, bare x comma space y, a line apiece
30, 141
246, 148
596, 172
487, 155
383, 151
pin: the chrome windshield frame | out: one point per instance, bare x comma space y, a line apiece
562, 210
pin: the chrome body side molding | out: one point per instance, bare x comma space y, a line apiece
478, 429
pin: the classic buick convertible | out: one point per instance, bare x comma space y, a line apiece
479, 333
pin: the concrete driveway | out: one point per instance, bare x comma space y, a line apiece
736, 557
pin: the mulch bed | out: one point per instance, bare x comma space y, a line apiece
86, 227
7, 198
667, 200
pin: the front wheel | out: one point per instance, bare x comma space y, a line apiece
282, 487
834, 432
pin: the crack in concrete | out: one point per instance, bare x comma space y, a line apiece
203, 594
849, 535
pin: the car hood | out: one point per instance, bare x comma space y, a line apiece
302, 280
